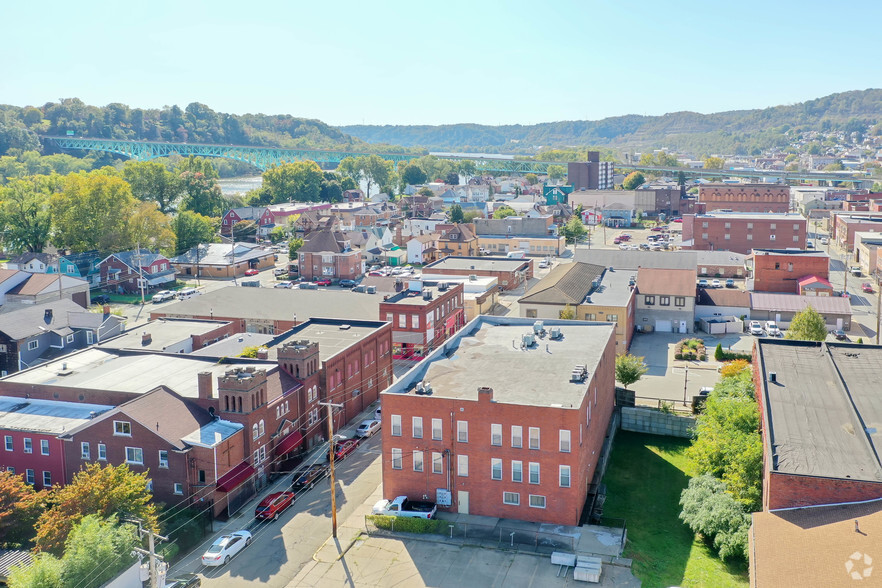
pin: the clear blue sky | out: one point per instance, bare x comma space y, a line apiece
423, 62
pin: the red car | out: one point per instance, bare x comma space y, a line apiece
273, 505
323, 282
344, 448
867, 287
677, 220
251, 272
658, 229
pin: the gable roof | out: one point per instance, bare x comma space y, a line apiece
135, 256
46, 258
565, 284
464, 231
33, 320
321, 241
723, 297
666, 282
796, 303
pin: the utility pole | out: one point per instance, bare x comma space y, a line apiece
140, 272
685, 383
331, 406
878, 307
233, 251
151, 551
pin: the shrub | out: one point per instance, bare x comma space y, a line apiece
722, 355
711, 511
408, 524
860, 341
678, 356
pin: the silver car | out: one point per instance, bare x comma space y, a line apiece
227, 546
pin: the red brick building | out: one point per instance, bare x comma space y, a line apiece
423, 316
328, 254
745, 197
741, 232
503, 421
818, 402
780, 270
845, 226
510, 272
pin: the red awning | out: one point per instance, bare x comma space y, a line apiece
234, 478
291, 441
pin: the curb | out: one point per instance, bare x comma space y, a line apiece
315, 556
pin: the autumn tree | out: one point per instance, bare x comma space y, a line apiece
102, 491
714, 162
92, 212
151, 229
633, 180
20, 506
532, 179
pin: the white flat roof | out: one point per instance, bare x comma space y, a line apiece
45, 416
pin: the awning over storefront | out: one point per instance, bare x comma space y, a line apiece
289, 442
407, 337
234, 478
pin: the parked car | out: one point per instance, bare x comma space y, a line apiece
279, 271
658, 229
756, 328
616, 241
677, 220
543, 263
378, 412
825, 241
184, 581
809, 244
855, 270
251, 272
347, 283
101, 299
402, 507
284, 284
367, 428
307, 479
703, 283
867, 287
273, 505
730, 283
772, 329
344, 448
322, 282
716, 284
225, 548
839, 334
188, 293
625, 237
163, 296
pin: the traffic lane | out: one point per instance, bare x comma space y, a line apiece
281, 548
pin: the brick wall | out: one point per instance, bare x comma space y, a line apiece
779, 273
787, 491
744, 233
746, 197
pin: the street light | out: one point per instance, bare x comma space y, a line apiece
685, 383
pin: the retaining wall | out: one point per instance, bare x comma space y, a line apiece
646, 420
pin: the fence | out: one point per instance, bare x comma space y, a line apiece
645, 420
616, 525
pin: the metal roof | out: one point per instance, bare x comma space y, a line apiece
795, 303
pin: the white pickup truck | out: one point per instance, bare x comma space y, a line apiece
402, 507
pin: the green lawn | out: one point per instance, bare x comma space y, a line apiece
643, 483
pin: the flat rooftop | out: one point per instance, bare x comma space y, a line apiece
824, 411
791, 216
125, 371
488, 353
163, 332
614, 289
468, 264
276, 304
800, 252
45, 416
415, 297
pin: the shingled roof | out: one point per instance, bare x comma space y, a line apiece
565, 284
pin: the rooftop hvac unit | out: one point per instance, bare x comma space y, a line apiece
555, 333
473, 277
442, 286
579, 373
427, 294
371, 289
528, 340
538, 327
419, 388
427, 388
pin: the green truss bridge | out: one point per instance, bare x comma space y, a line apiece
265, 157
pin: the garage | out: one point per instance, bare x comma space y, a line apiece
663, 326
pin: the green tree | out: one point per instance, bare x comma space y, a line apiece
835, 166
244, 229
455, 214
278, 234
556, 172
471, 215
714, 162
709, 510
568, 313
427, 192
629, 369
300, 181
45, 571
532, 179
504, 211
574, 230
202, 194
98, 549
375, 170
332, 191
191, 229
149, 228
25, 212
467, 169
633, 180
152, 181
413, 175
350, 167
681, 178
293, 246
102, 491
807, 325
198, 165
20, 506
250, 351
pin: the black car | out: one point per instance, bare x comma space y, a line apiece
347, 283
306, 479
101, 299
840, 335
184, 581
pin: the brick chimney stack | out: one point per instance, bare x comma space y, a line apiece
204, 385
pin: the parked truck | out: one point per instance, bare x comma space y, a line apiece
402, 507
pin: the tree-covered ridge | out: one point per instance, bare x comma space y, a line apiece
723, 132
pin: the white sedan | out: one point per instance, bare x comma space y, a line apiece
227, 546
367, 428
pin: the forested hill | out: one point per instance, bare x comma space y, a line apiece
722, 132
197, 123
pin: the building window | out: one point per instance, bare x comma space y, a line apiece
28, 445
537, 501
517, 471
749, 226
649, 300
564, 476
85, 451
589, 316
462, 431
396, 425
531, 313
29, 477
414, 321
517, 436
727, 225
396, 459
679, 301
389, 317
69, 338
47, 479
417, 461
534, 473
495, 469
790, 265
260, 428
534, 437
417, 426
10, 469
704, 236
163, 458
796, 238
9, 446
750, 237
254, 431
102, 452
179, 488
612, 318
462, 465
436, 429
795, 227
664, 300
437, 463
44, 446
496, 435
512, 498
773, 226
135, 455
402, 321
704, 225
564, 441
727, 236
122, 428
33, 345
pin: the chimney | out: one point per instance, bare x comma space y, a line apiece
204, 385
485, 392
106, 309
146, 338
263, 353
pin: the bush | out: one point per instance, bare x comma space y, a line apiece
408, 524
722, 355
711, 511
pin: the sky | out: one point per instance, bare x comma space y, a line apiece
421, 62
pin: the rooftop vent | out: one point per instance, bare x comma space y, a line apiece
580, 372
473, 277
528, 340
427, 294
345, 327
773, 377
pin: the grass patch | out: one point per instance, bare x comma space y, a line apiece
645, 477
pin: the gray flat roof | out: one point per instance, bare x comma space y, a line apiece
277, 304
415, 297
772, 301
213, 433
757, 215
824, 412
488, 353
232, 346
467, 264
45, 416
163, 332
614, 289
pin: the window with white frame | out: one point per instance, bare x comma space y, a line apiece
517, 436
261, 428
495, 469
537, 501
29, 476
462, 465
417, 424
414, 321
179, 488
89, 337
496, 435
396, 425
462, 431
437, 463
163, 458
396, 459
44, 446
69, 339
102, 452
85, 451
534, 473
564, 440
135, 455
28, 445
8, 440
254, 431
534, 437
436, 430
564, 476
33, 344
122, 428
517, 471
512, 498
417, 461
10, 469
402, 321
47, 479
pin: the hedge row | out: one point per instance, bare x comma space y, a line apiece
408, 524
722, 355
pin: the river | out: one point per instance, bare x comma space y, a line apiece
239, 185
